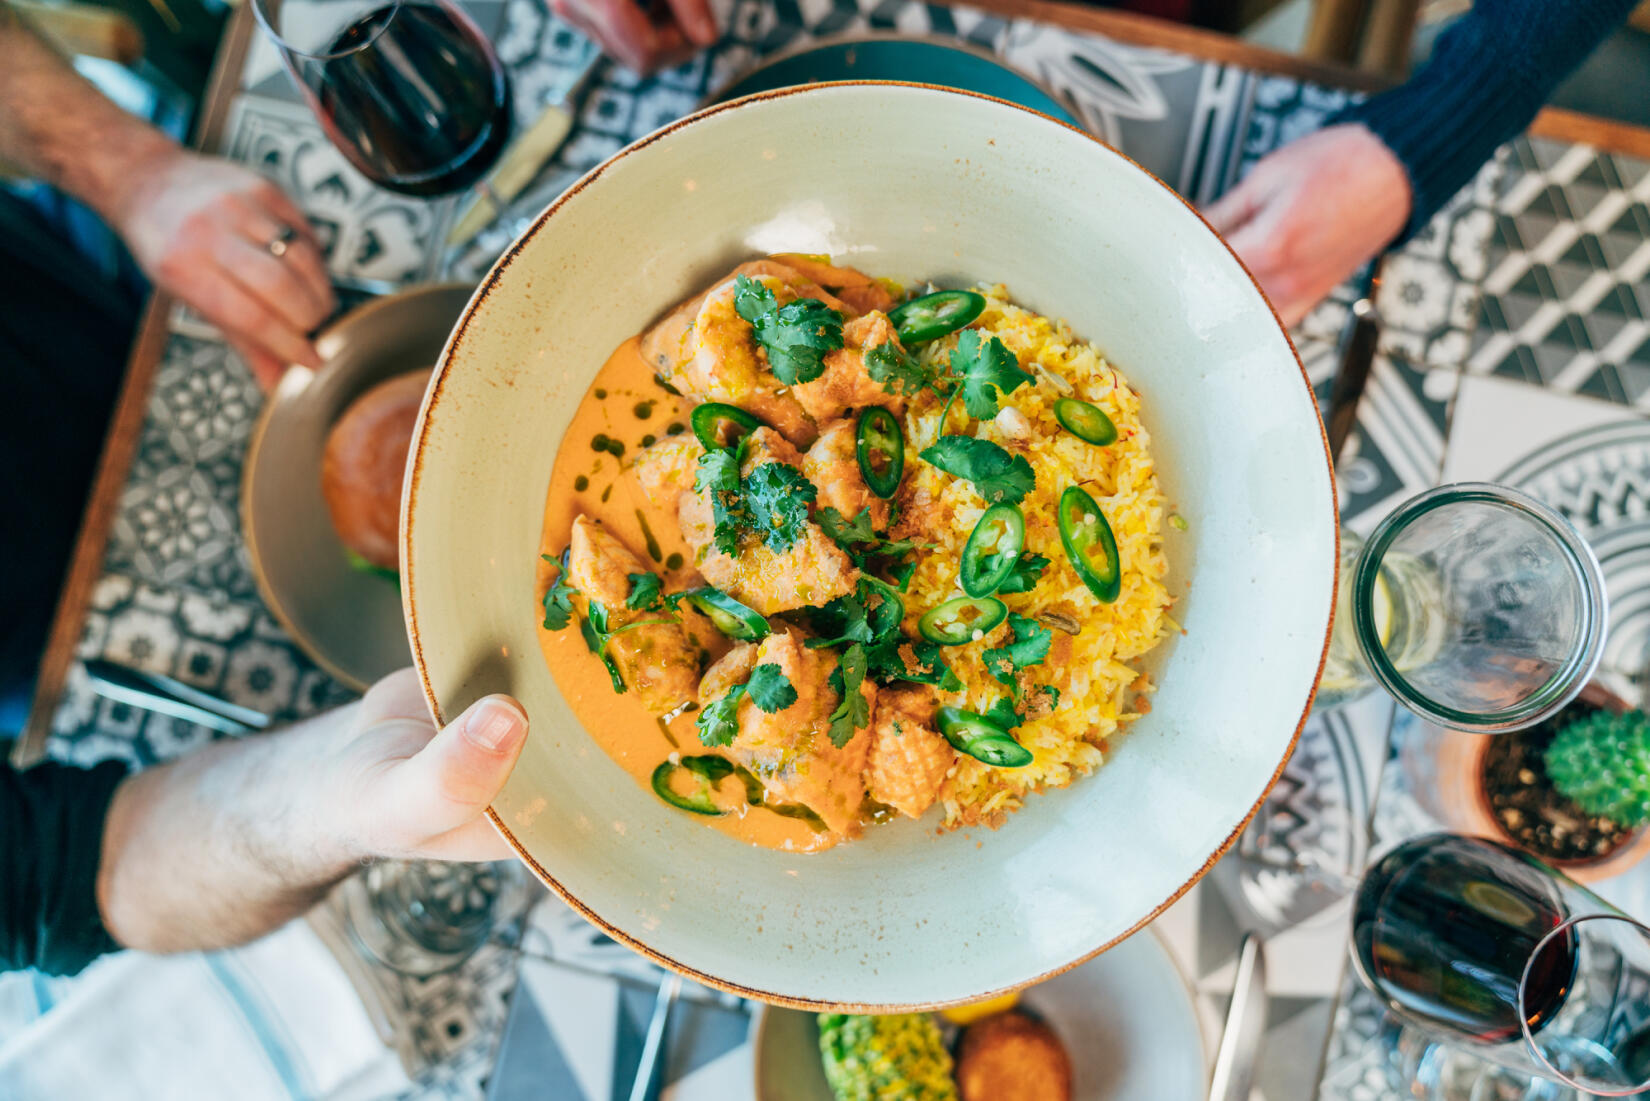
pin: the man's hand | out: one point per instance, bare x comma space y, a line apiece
1309, 214
229, 842
622, 29
201, 228
409, 790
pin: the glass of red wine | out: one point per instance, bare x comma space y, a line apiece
1483, 946
410, 91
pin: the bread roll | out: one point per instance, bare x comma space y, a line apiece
362, 467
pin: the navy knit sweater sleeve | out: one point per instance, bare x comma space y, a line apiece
51, 841
1489, 74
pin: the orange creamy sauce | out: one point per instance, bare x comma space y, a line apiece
624, 410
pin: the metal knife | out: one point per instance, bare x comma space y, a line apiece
522, 161
166, 696
1358, 342
1234, 1074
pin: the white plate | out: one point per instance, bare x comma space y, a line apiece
1127, 1019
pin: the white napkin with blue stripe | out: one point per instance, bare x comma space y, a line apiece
274, 1021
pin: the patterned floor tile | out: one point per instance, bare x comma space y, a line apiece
1566, 303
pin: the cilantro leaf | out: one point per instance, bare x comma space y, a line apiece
796, 335
895, 368
854, 711
776, 502
718, 475
594, 629
847, 532
770, 689
718, 723
842, 619
1030, 647
558, 608
1023, 578
901, 573
752, 299
871, 612
646, 592
886, 663
1003, 714
987, 371
997, 475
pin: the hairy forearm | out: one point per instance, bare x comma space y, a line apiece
226, 844
56, 126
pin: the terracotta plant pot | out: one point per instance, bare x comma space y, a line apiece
1459, 797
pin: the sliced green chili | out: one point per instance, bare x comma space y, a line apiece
880, 449
992, 550
1089, 544
756, 794
982, 739
933, 315
956, 621
706, 770
712, 418
1087, 422
729, 616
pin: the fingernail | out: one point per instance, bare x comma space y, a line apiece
494, 723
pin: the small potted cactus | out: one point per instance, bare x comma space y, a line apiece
1602, 763
1573, 791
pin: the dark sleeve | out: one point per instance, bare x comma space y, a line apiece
1488, 76
51, 840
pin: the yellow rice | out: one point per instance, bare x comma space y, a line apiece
1098, 671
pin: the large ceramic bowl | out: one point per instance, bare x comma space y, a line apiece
912, 182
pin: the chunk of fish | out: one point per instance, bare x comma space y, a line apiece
846, 383
812, 571
666, 345
667, 469
599, 566
659, 661
860, 292
707, 351
733, 667
908, 759
790, 751
832, 464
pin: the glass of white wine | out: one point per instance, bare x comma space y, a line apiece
1476, 606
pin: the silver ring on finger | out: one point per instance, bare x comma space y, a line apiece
283, 240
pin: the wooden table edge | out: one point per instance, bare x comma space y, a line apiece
127, 423
125, 430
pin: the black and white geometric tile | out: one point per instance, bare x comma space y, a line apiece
1566, 302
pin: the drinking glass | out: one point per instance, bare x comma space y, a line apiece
1476, 606
1485, 947
409, 91
423, 917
